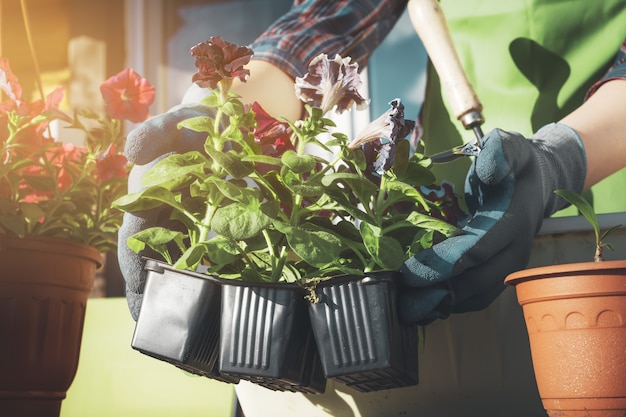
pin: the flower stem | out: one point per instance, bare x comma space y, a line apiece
380, 199
205, 225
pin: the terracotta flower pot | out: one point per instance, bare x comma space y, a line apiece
576, 320
44, 286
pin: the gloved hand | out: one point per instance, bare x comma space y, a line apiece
145, 146
160, 135
509, 191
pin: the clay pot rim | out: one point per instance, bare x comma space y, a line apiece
51, 245
563, 269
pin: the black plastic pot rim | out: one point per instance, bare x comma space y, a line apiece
158, 266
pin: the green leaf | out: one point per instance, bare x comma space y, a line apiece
240, 222
157, 238
298, 163
235, 192
363, 188
386, 251
417, 174
230, 162
176, 169
291, 274
147, 199
427, 222
401, 160
423, 239
32, 212
13, 223
586, 209
274, 180
583, 206
403, 192
233, 108
192, 257
198, 124
221, 251
305, 188
263, 159
212, 100
607, 232
352, 209
315, 247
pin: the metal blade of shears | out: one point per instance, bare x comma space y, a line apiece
469, 149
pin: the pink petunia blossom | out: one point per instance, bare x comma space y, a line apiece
110, 164
127, 96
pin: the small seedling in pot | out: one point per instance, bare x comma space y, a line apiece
585, 208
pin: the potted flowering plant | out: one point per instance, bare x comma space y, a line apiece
291, 202
56, 189
576, 320
55, 221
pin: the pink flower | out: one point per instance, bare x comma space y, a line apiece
127, 96
271, 133
66, 158
32, 138
110, 164
8, 81
218, 60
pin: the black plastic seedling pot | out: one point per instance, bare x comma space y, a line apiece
360, 340
179, 321
266, 337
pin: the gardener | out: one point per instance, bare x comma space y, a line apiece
530, 64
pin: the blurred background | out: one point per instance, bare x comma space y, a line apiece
80, 43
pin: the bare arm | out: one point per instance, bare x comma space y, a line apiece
601, 124
272, 88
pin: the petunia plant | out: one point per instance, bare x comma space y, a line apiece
264, 203
53, 188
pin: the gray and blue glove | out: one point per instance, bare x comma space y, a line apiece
145, 146
509, 191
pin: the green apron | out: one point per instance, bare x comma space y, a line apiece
530, 62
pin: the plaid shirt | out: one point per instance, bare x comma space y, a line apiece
617, 70
346, 27
349, 28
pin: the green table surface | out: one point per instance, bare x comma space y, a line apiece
115, 380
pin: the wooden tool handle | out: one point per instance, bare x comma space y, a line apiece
431, 26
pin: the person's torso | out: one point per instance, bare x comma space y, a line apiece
530, 63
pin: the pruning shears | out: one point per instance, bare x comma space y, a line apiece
469, 149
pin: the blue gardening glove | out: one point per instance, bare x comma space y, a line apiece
509, 191
160, 135
145, 145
